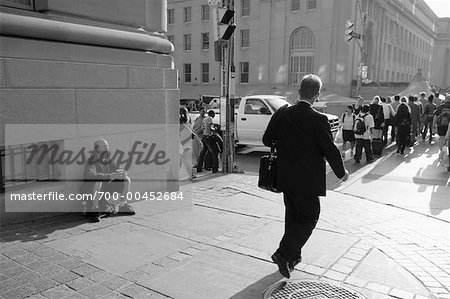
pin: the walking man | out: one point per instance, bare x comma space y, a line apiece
303, 140
394, 106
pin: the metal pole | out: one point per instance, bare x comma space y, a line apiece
228, 81
364, 12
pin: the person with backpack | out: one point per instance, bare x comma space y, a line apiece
428, 116
364, 124
347, 124
441, 120
403, 127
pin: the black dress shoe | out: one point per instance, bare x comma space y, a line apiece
282, 263
294, 263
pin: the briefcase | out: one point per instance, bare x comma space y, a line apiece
268, 171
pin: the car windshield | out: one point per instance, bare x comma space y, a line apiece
276, 102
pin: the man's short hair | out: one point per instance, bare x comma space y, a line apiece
211, 113
422, 94
365, 108
397, 98
309, 86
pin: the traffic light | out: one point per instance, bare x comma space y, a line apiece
218, 51
349, 31
226, 28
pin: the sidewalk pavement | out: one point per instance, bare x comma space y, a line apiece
217, 243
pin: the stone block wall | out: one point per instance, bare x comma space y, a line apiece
88, 92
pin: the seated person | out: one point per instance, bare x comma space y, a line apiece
102, 174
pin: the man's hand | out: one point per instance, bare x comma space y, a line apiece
345, 177
118, 175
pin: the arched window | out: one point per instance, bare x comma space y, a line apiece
301, 56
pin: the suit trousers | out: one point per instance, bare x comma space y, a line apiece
301, 216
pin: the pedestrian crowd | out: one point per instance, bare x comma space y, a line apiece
367, 126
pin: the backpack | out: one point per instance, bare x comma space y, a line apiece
444, 118
359, 127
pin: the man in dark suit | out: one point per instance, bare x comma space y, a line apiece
303, 141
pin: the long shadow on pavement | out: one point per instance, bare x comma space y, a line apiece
256, 289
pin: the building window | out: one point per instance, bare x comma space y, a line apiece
170, 16
205, 12
302, 39
245, 8
205, 41
171, 38
25, 164
295, 5
312, 4
245, 38
23, 4
187, 42
187, 15
205, 72
300, 66
243, 66
187, 72
301, 54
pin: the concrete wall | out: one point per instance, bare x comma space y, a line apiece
134, 13
79, 93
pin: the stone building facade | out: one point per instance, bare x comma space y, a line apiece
72, 72
277, 41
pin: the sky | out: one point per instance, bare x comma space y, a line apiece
440, 7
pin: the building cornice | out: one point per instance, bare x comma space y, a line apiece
40, 28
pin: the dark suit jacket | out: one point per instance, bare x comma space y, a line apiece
304, 141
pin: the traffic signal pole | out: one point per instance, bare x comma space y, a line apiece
225, 40
230, 124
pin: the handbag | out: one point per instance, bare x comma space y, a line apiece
268, 171
268, 165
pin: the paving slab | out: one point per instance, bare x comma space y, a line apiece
377, 268
202, 221
119, 248
218, 274
323, 248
